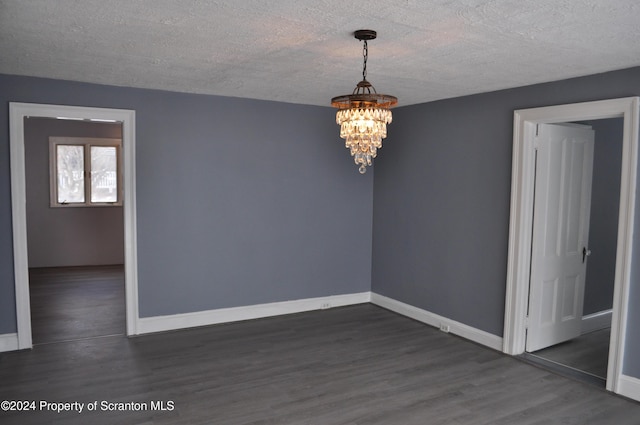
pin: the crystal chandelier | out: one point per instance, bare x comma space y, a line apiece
364, 114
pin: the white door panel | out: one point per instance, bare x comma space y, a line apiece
564, 170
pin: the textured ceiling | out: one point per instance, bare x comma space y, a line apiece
303, 51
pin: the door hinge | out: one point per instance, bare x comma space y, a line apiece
526, 322
536, 137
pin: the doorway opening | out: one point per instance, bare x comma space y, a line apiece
75, 229
579, 346
522, 216
19, 113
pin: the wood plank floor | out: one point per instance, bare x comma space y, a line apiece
588, 353
358, 365
70, 303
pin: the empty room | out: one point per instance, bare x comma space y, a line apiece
319, 212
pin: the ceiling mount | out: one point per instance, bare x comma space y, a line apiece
365, 35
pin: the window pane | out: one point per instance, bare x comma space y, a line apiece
104, 174
70, 169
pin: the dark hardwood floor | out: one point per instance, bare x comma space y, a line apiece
69, 303
358, 365
588, 353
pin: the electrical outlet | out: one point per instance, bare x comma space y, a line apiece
444, 328
325, 306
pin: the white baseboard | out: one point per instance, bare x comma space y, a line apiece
424, 316
596, 321
235, 314
8, 342
629, 386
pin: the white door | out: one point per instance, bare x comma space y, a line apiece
564, 168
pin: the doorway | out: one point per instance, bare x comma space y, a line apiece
75, 229
521, 220
576, 335
18, 113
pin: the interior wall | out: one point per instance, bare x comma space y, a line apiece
605, 203
442, 199
239, 202
632, 349
67, 236
263, 212
7, 294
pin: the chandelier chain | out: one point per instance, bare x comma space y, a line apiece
365, 54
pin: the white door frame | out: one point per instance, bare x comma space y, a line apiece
521, 220
17, 113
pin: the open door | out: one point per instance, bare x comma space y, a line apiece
521, 224
564, 168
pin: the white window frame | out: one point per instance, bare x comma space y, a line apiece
87, 143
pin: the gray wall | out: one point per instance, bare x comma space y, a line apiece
7, 294
239, 201
67, 236
632, 349
605, 203
441, 200
231, 214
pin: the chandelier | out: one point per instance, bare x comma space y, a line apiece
364, 114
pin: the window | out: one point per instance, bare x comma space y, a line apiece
85, 172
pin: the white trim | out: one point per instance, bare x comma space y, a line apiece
629, 386
235, 314
8, 342
520, 222
432, 319
17, 113
19, 221
596, 321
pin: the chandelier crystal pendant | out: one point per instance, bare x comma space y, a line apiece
364, 114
